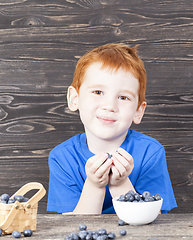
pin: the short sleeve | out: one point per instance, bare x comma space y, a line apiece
154, 177
64, 192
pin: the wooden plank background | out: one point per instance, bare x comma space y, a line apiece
40, 43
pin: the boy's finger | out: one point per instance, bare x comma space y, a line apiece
104, 168
96, 161
124, 153
120, 167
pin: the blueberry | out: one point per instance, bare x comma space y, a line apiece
89, 236
90, 232
27, 232
95, 235
149, 199
0, 232
68, 238
109, 155
122, 232
157, 197
82, 227
82, 234
129, 197
11, 201
141, 200
137, 197
19, 198
102, 237
16, 234
121, 222
122, 198
146, 194
131, 192
4, 197
74, 236
111, 235
102, 231
5, 202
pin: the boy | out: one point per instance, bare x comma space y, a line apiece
109, 159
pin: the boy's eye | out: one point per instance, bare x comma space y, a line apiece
98, 92
123, 98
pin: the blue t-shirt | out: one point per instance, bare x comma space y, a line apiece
67, 172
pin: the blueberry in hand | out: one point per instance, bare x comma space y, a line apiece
82, 227
4, 197
27, 232
0, 232
122, 232
16, 234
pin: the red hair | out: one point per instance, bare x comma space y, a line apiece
113, 56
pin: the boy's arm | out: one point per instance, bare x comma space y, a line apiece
93, 193
119, 182
91, 199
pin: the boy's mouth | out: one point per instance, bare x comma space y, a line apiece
106, 120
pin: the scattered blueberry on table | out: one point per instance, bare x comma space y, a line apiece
16, 234
121, 222
122, 232
27, 233
111, 235
82, 227
100, 234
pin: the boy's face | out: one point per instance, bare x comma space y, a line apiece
107, 102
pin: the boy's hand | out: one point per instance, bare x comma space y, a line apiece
97, 169
121, 168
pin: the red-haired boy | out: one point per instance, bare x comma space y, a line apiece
108, 89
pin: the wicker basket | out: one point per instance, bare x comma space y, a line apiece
19, 216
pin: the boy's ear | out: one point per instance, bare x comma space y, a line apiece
72, 97
139, 113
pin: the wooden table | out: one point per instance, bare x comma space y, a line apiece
166, 226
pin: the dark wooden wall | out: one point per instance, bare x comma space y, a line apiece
40, 43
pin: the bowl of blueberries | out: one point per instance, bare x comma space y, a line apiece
136, 209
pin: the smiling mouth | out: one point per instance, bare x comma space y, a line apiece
106, 121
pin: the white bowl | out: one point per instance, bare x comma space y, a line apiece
137, 213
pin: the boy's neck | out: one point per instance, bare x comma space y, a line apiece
97, 145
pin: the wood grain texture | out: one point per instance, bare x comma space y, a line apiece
40, 43
165, 227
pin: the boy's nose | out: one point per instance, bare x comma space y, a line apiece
109, 105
